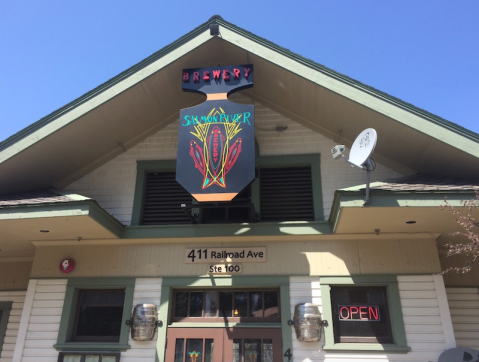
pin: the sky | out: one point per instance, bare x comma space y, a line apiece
424, 52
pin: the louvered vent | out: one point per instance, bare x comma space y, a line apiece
286, 194
163, 197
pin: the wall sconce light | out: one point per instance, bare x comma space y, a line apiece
143, 322
307, 322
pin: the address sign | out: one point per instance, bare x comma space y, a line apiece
230, 255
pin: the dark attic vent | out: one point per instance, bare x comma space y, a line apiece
286, 194
163, 199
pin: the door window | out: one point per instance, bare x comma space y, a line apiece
224, 344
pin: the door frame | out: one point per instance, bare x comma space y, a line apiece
257, 281
223, 340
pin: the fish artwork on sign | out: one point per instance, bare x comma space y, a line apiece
218, 153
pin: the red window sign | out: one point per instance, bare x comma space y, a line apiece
359, 313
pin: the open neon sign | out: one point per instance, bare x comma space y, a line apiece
359, 313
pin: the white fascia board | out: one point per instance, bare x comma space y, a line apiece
103, 97
374, 102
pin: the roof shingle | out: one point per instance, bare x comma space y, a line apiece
420, 183
38, 197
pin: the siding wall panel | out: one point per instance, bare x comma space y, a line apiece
42, 329
44, 322
422, 318
464, 307
291, 257
17, 297
113, 184
147, 291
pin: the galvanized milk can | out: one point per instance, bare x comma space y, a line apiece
144, 320
307, 322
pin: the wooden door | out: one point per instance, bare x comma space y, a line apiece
224, 345
194, 345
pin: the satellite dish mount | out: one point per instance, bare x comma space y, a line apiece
359, 156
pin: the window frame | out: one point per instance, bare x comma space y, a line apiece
67, 322
142, 169
75, 336
390, 282
220, 318
169, 284
62, 355
309, 159
5, 308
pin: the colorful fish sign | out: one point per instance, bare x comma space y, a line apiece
216, 155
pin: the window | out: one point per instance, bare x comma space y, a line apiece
163, 197
286, 194
287, 188
88, 357
232, 304
5, 308
363, 313
94, 315
98, 315
360, 314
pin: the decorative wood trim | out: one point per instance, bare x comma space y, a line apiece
448, 330
25, 319
5, 308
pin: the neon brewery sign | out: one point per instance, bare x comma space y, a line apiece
216, 138
359, 313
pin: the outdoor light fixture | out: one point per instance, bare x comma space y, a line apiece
143, 322
307, 322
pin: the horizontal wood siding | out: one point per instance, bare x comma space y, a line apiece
147, 291
305, 290
464, 307
452, 279
44, 323
295, 257
17, 298
420, 307
42, 330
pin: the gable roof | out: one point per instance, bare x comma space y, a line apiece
81, 136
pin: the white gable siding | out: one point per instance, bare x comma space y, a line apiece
113, 184
422, 319
17, 298
45, 315
464, 306
148, 291
44, 321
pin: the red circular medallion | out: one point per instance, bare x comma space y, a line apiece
67, 265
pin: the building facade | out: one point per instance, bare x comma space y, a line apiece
93, 223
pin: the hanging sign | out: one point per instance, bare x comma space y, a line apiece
216, 138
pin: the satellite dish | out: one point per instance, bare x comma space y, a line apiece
363, 147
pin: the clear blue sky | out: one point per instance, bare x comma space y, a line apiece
424, 52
